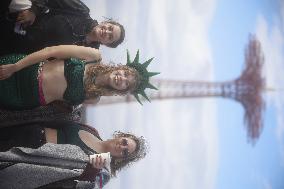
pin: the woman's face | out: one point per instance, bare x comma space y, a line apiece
107, 33
122, 147
121, 80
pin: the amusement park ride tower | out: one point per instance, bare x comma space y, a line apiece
245, 89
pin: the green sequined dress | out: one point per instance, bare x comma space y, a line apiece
74, 75
20, 91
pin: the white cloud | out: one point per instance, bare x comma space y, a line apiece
97, 8
175, 32
272, 41
178, 32
281, 7
184, 150
183, 134
261, 181
267, 185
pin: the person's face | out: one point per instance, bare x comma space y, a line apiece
107, 33
121, 80
122, 147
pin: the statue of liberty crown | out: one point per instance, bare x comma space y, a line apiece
144, 76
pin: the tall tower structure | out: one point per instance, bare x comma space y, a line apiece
245, 89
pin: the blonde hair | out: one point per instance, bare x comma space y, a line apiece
93, 91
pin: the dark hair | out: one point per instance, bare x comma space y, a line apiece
140, 152
117, 164
122, 34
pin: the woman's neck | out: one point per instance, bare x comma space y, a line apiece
91, 38
101, 80
92, 141
102, 146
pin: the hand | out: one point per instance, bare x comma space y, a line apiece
26, 18
98, 162
7, 70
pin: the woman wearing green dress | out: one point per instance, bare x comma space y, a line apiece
69, 73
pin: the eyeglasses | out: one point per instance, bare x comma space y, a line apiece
125, 152
124, 142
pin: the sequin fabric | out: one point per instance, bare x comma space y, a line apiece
20, 91
40, 89
74, 74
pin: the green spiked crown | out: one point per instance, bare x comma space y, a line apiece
144, 76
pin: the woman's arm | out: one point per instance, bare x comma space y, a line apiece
92, 101
97, 177
59, 52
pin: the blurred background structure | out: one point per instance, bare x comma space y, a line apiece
198, 142
246, 89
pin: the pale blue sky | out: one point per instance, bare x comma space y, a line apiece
243, 165
198, 143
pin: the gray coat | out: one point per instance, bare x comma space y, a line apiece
27, 168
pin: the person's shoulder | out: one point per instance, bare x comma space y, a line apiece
75, 7
90, 129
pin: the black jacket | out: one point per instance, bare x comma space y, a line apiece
57, 22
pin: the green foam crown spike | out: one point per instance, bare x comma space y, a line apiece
144, 75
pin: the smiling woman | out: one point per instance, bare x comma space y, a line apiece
124, 149
28, 81
123, 79
48, 23
109, 33
111, 80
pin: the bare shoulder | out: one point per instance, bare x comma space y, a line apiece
84, 134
